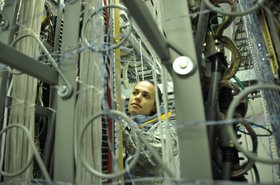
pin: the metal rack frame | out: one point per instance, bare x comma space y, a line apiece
189, 103
195, 162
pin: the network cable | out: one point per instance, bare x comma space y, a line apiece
35, 152
136, 155
255, 7
64, 91
113, 46
82, 146
242, 95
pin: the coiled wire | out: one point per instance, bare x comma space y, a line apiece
113, 46
35, 153
213, 8
82, 146
140, 137
242, 95
64, 93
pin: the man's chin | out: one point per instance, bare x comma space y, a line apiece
134, 113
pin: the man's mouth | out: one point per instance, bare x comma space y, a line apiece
136, 104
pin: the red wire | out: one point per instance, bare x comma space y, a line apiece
106, 16
110, 123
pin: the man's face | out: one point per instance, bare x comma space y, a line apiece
142, 99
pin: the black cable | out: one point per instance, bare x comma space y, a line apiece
227, 163
236, 171
270, 133
257, 175
231, 132
201, 30
213, 97
214, 87
48, 151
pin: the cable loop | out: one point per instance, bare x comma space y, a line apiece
213, 8
242, 95
228, 20
65, 91
35, 153
114, 114
236, 58
103, 49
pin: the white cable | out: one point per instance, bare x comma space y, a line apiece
135, 69
137, 152
81, 150
163, 146
220, 11
65, 91
169, 159
18, 14
88, 101
17, 150
242, 95
128, 170
158, 104
113, 46
35, 152
155, 154
124, 74
142, 138
5, 121
141, 60
2, 4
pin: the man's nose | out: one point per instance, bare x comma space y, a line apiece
138, 97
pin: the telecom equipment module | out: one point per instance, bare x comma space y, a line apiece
68, 68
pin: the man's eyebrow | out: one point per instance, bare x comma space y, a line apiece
142, 91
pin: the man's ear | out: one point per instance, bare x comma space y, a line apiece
154, 108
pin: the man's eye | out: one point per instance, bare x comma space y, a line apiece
146, 96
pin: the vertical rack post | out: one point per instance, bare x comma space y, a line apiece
6, 35
9, 16
195, 162
64, 131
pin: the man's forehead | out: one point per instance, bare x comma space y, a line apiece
145, 86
